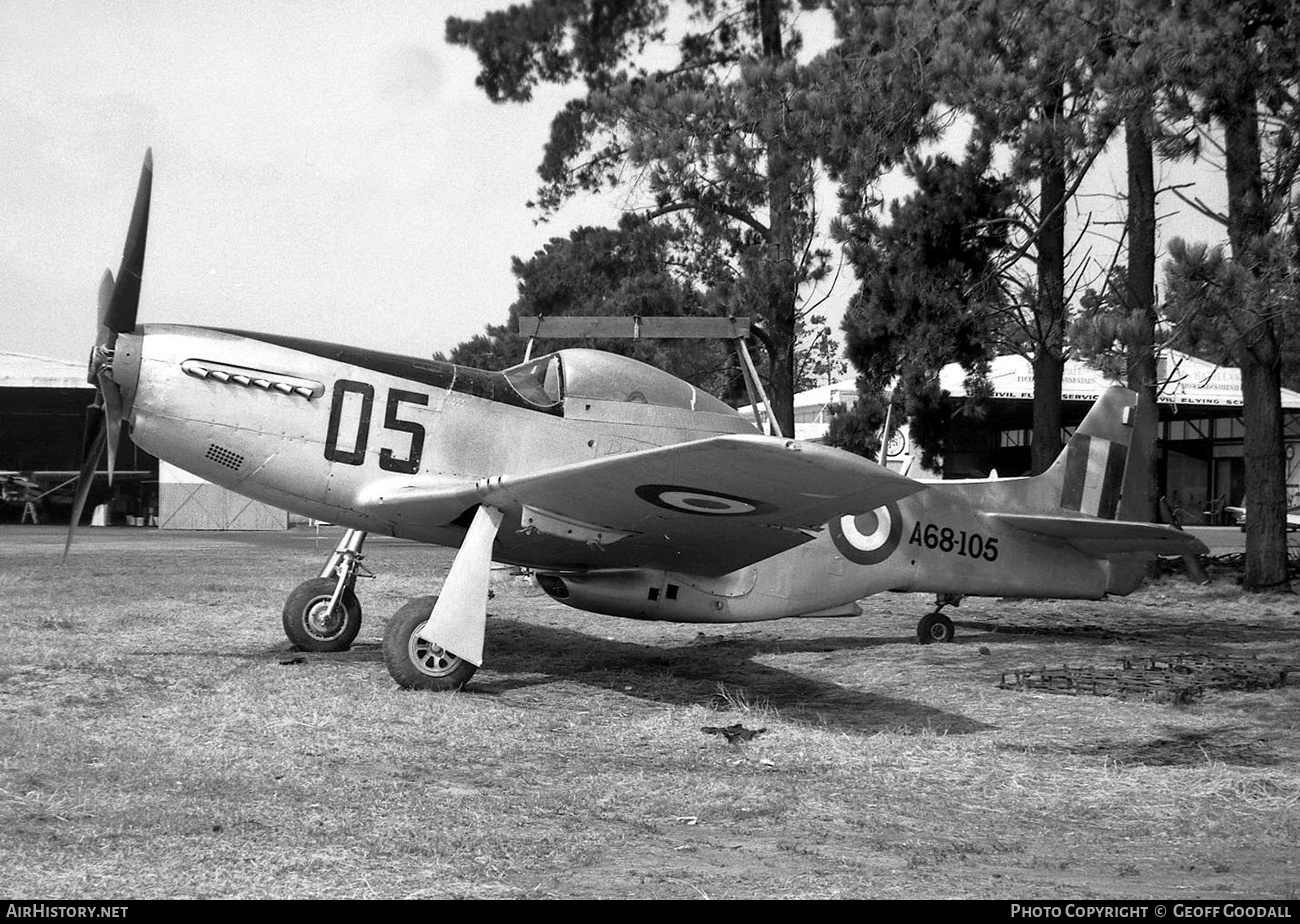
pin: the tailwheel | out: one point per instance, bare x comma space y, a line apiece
935, 627
415, 663
312, 624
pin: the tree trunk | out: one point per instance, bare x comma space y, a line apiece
781, 287
1259, 355
781, 362
1266, 548
1049, 374
1049, 316
1141, 495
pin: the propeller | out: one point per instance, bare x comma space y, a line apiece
119, 302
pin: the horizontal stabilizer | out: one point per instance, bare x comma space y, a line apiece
1100, 538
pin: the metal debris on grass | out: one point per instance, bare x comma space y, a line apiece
735, 734
1178, 679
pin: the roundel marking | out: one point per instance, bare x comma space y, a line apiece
868, 538
704, 503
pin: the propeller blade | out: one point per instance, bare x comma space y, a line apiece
119, 302
125, 301
112, 416
86, 478
106, 337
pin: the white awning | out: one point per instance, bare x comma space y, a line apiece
1187, 380
19, 370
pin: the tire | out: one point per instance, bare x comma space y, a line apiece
310, 627
416, 664
935, 627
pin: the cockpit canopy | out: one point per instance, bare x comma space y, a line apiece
594, 374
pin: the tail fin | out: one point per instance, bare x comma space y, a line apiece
1103, 474
1096, 467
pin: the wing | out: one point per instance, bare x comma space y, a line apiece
707, 507
1100, 538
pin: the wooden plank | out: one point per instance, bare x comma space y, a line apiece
656, 328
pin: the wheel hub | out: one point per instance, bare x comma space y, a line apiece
429, 658
322, 621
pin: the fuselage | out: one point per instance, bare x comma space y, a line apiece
314, 428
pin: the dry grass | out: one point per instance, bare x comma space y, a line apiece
153, 744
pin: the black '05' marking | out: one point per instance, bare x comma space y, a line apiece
347, 391
411, 464
365, 393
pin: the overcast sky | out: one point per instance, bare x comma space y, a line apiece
324, 168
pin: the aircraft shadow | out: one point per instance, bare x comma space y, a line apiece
524, 655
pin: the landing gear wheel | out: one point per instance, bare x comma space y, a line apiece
934, 627
415, 663
311, 625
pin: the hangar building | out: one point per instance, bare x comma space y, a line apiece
42, 427
1201, 460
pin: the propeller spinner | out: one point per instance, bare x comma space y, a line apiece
119, 302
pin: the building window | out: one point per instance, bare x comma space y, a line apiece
1180, 430
1229, 428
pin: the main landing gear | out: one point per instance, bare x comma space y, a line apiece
936, 627
323, 614
418, 664
436, 643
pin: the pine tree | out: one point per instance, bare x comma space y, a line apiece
620, 272
716, 144
930, 294
1024, 75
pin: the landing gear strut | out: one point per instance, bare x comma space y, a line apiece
323, 613
936, 627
